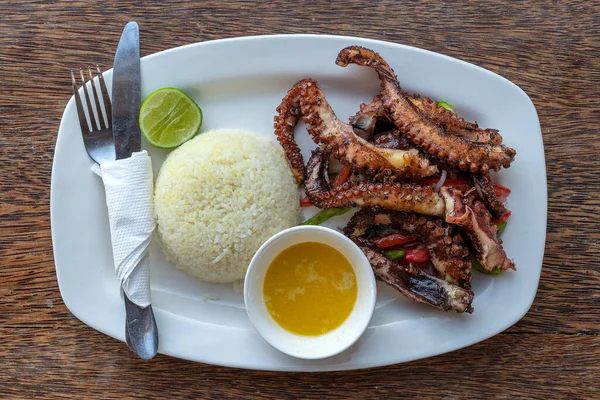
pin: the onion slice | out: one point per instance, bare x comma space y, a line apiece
440, 183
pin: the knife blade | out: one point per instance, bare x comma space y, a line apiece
126, 93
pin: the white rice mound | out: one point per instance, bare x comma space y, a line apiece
218, 198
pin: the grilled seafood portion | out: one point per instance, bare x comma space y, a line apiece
474, 221
373, 113
457, 151
485, 190
469, 214
451, 290
306, 100
394, 196
393, 151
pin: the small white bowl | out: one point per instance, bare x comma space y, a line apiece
310, 347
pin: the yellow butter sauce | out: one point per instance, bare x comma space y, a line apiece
310, 288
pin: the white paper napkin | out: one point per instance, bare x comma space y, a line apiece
129, 197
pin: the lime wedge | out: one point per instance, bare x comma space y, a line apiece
169, 118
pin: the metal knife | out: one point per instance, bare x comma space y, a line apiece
126, 93
141, 333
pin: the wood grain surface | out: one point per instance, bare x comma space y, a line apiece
549, 48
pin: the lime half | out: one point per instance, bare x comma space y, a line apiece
169, 118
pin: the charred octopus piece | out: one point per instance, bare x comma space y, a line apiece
373, 113
485, 190
370, 116
307, 100
396, 196
468, 214
449, 257
422, 131
474, 221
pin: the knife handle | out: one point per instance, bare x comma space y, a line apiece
141, 332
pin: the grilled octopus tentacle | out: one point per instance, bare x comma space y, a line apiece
288, 114
423, 132
473, 219
481, 182
448, 256
454, 124
368, 115
486, 191
405, 197
306, 99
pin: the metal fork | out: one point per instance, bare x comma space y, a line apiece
98, 141
141, 333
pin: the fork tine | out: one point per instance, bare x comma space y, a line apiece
105, 97
96, 101
80, 113
89, 103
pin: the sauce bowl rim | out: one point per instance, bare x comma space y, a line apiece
320, 346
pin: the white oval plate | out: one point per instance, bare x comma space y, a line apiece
239, 83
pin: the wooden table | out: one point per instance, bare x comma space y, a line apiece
550, 49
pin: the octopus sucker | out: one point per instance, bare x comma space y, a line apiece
472, 218
451, 293
306, 100
420, 127
407, 197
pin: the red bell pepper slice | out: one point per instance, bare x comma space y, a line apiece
420, 255
504, 218
304, 201
501, 191
395, 239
